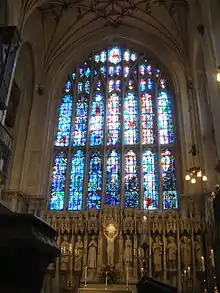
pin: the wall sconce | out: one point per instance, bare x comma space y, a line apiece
218, 74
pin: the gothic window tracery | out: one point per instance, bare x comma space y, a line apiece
115, 138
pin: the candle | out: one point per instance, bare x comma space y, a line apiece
212, 257
134, 252
70, 248
188, 270
127, 278
203, 263
142, 272
85, 275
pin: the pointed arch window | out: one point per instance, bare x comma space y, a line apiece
115, 138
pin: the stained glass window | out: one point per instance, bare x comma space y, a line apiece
165, 121
150, 180
115, 140
64, 121
113, 120
168, 172
131, 196
131, 118
76, 181
80, 121
95, 182
58, 181
113, 182
97, 120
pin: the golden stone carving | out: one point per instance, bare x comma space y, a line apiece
185, 250
171, 253
78, 253
157, 248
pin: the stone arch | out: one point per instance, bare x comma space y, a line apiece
24, 78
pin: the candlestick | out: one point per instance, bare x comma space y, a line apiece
203, 263
106, 280
127, 278
85, 277
212, 257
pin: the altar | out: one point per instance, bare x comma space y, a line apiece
113, 288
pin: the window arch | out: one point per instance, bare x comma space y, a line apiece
115, 140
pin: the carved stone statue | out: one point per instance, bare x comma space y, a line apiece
66, 251
157, 248
185, 252
92, 254
198, 252
110, 233
78, 253
79, 224
157, 225
171, 253
128, 250
128, 223
93, 223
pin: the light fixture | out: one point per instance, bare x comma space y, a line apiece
187, 177
195, 172
193, 180
218, 74
199, 173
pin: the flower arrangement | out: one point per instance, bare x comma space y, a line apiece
108, 274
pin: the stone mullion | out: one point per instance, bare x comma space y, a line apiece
87, 152
105, 149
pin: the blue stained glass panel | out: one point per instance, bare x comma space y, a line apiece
80, 121
64, 121
114, 55
103, 70
58, 181
68, 86
131, 196
147, 119
80, 87
111, 70
165, 119
127, 55
150, 180
87, 72
130, 119
103, 56
145, 69
113, 120
95, 182
76, 181
168, 173
87, 87
97, 120
126, 71
113, 181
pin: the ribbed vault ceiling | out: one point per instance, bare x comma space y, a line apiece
64, 23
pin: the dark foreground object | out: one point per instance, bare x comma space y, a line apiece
147, 284
27, 246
